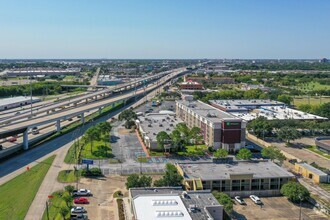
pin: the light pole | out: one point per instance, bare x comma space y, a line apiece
31, 93
300, 207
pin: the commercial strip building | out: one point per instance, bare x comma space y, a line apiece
14, 102
312, 173
108, 80
323, 144
207, 78
242, 178
249, 109
45, 72
190, 86
219, 129
169, 203
153, 123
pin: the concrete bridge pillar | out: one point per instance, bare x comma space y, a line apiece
82, 119
25, 140
58, 125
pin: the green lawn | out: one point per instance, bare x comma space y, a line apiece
156, 153
100, 150
315, 150
325, 186
55, 205
142, 159
193, 150
17, 194
68, 176
313, 86
297, 101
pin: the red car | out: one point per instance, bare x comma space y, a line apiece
12, 139
81, 200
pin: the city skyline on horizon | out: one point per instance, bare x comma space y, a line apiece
165, 30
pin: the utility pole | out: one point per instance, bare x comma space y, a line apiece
300, 208
31, 93
47, 210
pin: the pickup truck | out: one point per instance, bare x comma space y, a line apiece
81, 192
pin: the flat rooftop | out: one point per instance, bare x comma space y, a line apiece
207, 111
153, 123
312, 169
247, 102
220, 171
146, 206
18, 99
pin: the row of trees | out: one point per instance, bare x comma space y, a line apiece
38, 88
287, 130
240, 94
170, 178
95, 133
179, 137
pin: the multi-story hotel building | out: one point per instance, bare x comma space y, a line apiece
219, 129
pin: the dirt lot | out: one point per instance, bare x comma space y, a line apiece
102, 205
275, 208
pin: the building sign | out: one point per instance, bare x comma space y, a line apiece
232, 123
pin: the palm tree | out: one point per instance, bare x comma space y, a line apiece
64, 211
105, 128
92, 134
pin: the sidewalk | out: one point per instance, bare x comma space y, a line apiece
49, 185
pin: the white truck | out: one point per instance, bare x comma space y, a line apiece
81, 192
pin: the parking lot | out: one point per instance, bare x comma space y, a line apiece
102, 205
165, 105
275, 208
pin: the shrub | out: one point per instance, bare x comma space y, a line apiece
92, 172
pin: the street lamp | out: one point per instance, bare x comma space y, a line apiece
300, 197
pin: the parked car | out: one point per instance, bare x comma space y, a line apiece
12, 139
35, 130
81, 192
78, 209
255, 199
78, 216
240, 200
70, 119
81, 200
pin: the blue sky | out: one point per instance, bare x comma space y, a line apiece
164, 29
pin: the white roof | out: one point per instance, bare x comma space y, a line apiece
8, 101
163, 207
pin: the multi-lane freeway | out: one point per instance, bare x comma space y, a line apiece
59, 112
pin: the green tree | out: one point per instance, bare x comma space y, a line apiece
285, 99
244, 154
127, 115
184, 131
64, 211
288, 134
91, 135
171, 177
295, 192
162, 138
129, 124
220, 153
260, 126
68, 200
323, 110
104, 128
145, 181
273, 153
224, 200
69, 188
176, 138
195, 134
133, 181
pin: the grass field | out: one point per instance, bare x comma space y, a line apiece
68, 176
55, 205
313, 86
17, 194
194, 150
297, 101
100, 150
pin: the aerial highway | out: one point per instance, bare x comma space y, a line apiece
80, 106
